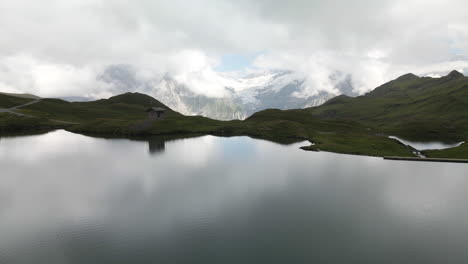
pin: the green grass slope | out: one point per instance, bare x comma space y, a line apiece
125, 107
410, 106
22, 95
343, 136
460, 152
13, 124
8, 101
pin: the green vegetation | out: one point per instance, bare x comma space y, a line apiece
460, 152
13, 124
24, 95
409, 107
342, 136
7, 101
128, 107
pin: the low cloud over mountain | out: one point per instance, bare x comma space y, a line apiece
237, 98
56, 49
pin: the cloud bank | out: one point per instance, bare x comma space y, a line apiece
58, 48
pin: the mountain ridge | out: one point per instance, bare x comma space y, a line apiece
414, 102
411, 108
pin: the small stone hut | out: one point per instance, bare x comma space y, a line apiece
155, 113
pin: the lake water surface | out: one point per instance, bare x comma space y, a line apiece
68, 198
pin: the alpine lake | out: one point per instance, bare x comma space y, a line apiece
69, 198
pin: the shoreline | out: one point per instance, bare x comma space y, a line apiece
426, 159
178, 135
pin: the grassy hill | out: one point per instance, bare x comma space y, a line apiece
8, 101
128, 106
460, 152
410, 106
22, 95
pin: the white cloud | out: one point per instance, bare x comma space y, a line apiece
26, 74
56, 48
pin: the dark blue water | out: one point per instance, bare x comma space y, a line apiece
67, 198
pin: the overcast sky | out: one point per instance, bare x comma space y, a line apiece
58, 47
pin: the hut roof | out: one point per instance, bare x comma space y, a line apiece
157, 109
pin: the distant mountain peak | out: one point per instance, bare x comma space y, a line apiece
455, 74
337, 99
408, 77
394, 87
137, 98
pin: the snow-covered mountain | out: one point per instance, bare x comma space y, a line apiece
236, 98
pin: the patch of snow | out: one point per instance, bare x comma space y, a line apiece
427, 145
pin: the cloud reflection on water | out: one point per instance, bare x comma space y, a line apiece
218, 193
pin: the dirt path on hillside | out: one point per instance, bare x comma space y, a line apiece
12, 111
